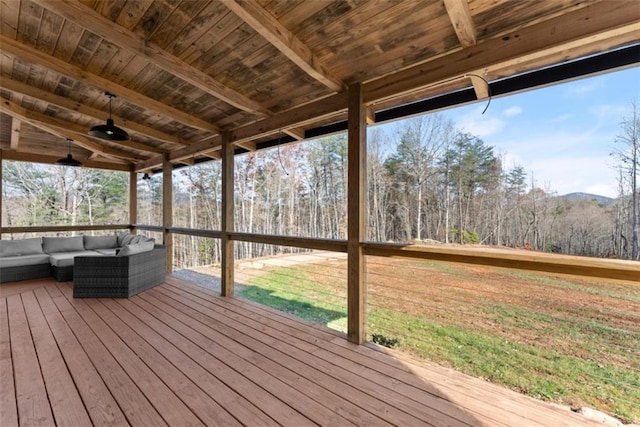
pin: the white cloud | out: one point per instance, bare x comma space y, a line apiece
579, 89
480, 125
609, 111
562, 118
570, 174
512, 111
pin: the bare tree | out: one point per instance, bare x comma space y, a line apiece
627, 152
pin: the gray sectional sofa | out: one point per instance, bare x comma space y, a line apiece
114, 265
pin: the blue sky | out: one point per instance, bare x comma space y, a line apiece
561, 134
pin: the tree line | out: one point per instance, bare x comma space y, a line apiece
429, 182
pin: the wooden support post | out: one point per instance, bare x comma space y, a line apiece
356, 224
167, 209
133, 199
227, 287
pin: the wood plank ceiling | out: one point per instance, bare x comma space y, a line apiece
185, 70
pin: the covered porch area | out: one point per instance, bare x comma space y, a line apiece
180, 354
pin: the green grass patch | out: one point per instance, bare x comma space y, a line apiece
289, 290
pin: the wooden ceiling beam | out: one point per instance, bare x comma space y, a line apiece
94, 22
583, 31
596, 23
16, 124
81, 130
371, 115
34, 56
43, 158
284, 40
480, 84
297, 133
49, 125
331, 106
16, 86
196, 149
213, 154
460, 17
248, 145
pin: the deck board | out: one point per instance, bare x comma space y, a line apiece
31, 394
179, 354
99, 402
170, 407
486, 399
8, 404
331, 377
137, 409
64, 398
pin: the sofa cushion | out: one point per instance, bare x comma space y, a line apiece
137, 248
124, 239
62, 244
110, 252
10, 248
100, 242
23, 260
65, 259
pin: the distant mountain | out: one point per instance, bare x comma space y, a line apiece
603, 200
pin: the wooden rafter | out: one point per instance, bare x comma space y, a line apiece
77, 129
297, 133
43, 158
480, 85
617, 25
48, 125
371, 115
460, 17
327, 107
248, 145
284, 40
88, 18
596, 24
68, 104
16, 124
213, 154
197, 148
37, 57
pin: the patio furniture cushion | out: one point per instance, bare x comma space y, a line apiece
65, 259
100, 242
10, 248
125, 238
23, 260
137, 248
110, 252
62, 244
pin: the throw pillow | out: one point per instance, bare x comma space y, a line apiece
136, 248
100, 242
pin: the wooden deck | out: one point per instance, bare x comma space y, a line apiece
181, 355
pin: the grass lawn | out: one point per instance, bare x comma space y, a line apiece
566, 341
